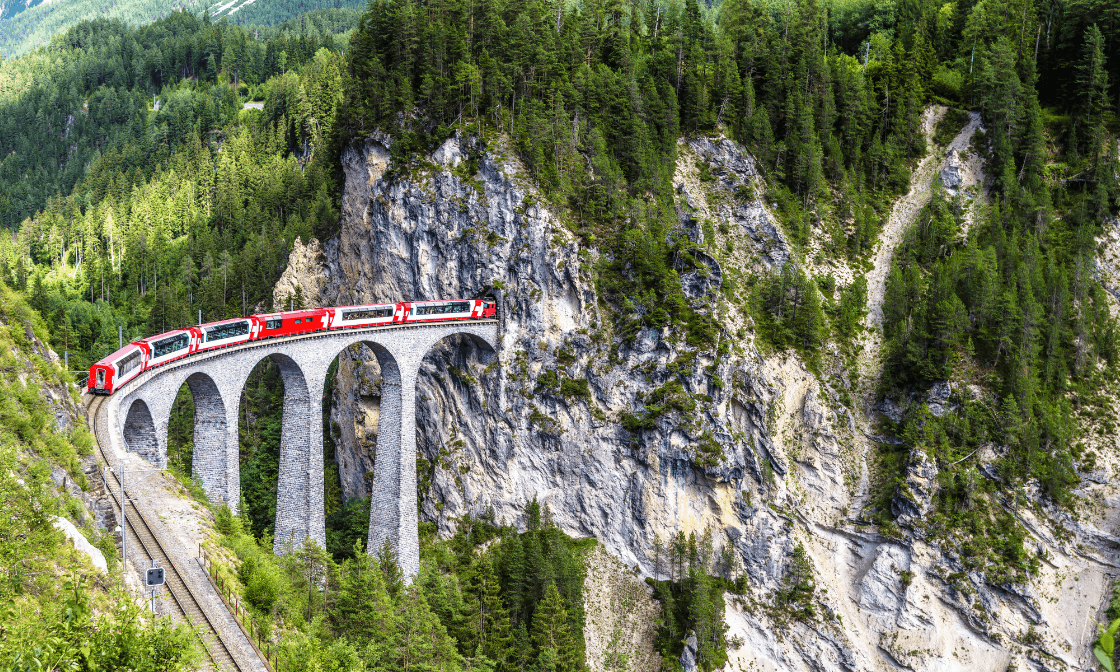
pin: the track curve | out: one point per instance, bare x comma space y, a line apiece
184, 598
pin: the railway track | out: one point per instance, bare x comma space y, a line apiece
142, 534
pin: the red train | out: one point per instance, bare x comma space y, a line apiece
107, 375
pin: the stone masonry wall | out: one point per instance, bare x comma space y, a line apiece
216, 379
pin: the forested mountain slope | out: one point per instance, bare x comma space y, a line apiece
27, 27
63, 603
749, 298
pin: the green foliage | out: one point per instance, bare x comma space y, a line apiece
477, 598
346, 527
142, 215
259, 430
1013, 301
848, 314
548, 380
798, 587
691, 601
790, 312
64, 634
949, 125
578, 389
598, 134
1104, 647
669, 397
50, 616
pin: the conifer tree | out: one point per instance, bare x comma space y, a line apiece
419, 641
487, 620
387, 562
1093, 76
514, 577
363, 609
551, 632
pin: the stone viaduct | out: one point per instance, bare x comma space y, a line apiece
140, 412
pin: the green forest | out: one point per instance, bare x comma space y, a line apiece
140, 190
490, 598
53, 614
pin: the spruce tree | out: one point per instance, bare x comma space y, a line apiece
489, 621
516, 582
362, 607
387, 562
419, 642
550, 630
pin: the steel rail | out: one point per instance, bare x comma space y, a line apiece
177, 586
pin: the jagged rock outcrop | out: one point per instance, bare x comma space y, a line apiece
303, 277
759, 452
913, 498
951, 173
489, 436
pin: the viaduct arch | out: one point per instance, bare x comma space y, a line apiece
138, 417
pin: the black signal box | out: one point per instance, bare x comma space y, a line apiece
154, 577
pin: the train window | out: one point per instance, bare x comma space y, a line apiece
129, 363
367, 314
169, 345
101, 378
457, 307
273, 324
224, 331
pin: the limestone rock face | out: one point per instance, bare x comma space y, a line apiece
490, 434
764, 458
303, 277
913, 498
951, 173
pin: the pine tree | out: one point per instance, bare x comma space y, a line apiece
419, 641
387, 562
535, 571
550, 630
517, 584
487, 620
521, 649
40, 299
1093, 76
363, 606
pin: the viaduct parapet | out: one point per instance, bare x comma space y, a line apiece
141, 410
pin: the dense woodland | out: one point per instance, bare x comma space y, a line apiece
51, 616
139, 190
489, 598
23, 28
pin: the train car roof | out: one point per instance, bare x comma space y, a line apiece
109, 359
442, 301
229, 321
365, 305
173, 332
294, 313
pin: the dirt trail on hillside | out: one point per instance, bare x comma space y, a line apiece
903, 213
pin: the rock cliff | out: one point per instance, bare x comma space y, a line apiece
757, 450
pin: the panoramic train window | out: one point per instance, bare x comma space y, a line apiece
457, 307
223, 331
273, 324
369, 314
169, 345
129, 363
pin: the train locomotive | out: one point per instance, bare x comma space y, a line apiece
109, 374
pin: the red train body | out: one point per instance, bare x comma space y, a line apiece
107, 375
292, 323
